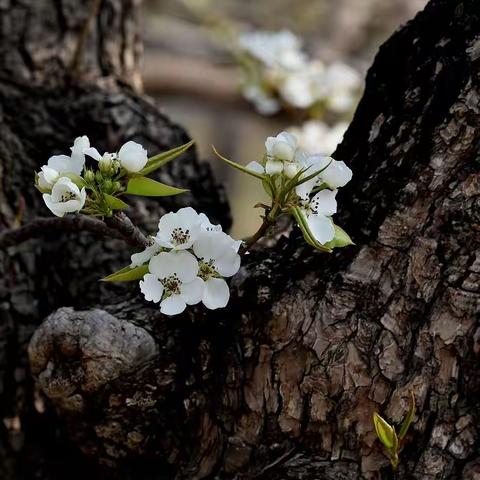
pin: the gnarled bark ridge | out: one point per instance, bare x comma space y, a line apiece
282, 383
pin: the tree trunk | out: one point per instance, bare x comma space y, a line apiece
283, 383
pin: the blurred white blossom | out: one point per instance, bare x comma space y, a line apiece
277, 71
315, 136
279, 50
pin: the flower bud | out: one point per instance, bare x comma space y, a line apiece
98, 177
108, 186
89, 176
105, 164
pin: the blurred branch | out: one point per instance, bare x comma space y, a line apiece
117, 226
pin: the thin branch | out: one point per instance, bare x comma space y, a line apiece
130, 233
118, 226
82, 39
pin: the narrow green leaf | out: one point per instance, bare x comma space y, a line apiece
115, 203
267, 186
238, 166
296, 180
307, 234
162, 159
408, 419
127, 274
148, 187
385, 432
341, 239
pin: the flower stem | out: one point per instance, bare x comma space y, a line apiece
268, 220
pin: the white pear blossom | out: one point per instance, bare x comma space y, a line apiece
188, 262
132, 156
334, 173
179, 230
218, 256
274, 49
283, 155
316, 137
173, 281
318, 212
64, 164
66, 197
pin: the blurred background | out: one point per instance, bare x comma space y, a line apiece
191, 73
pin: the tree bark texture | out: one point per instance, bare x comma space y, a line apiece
282, 384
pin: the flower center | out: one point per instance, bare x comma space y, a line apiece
67, 196
206, 270
171, 285
180, 236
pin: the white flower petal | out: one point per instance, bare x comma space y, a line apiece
337, 174
228, 264
162, 265
304, 189
93, 153
283, 151
47, 177
324, 203
173, 305
321, 227
273, 167
211, 244
290, 169
206, 225
186, 266
151, 288
144, 256
133, 157
216, 293
60, 163
181, 263
256, 167
192, 292
47, 198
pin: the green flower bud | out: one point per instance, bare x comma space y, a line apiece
89, 176
108, 186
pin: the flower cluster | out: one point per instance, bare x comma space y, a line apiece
187, 263
304, 186
64, 187
70, 186
278, 73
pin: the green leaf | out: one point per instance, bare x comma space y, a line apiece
267, 186
307, 234
385, 432
341, 239
238, 166
296, 180
127, 274
148, 187
408, 419
162, 159
115, 203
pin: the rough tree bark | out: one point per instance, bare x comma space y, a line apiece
282, 383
